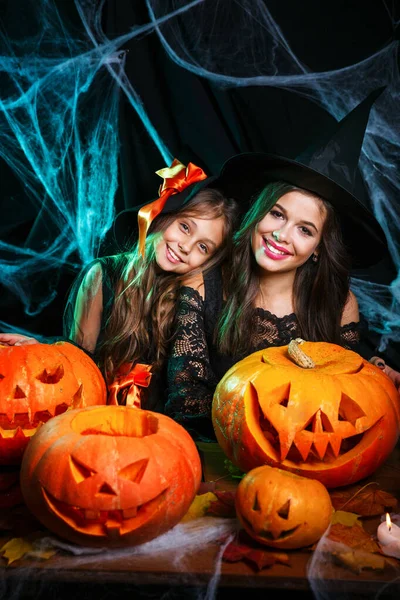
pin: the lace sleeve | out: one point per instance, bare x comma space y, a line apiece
191, 381
350, 335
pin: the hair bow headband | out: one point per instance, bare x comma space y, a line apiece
177, 177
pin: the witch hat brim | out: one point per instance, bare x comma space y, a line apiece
328, 169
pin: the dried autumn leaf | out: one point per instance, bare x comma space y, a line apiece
199, 506
223, 506
345, 518
257, 556
235, 551
355, 537
15, 549
356, 560
262, 558
31, 546
366, 502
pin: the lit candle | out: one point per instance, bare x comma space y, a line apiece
389, 537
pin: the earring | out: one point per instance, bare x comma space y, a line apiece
314, 258
275, 235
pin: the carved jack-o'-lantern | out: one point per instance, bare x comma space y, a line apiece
335, 419
282, 510
40, 381
110, 476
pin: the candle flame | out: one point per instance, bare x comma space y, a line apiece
388, 522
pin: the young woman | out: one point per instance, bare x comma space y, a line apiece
289, 276
121, 307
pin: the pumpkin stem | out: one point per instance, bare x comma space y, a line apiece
298, 355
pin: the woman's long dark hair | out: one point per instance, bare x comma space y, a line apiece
139, 326
320, 289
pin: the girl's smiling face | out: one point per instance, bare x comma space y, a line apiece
297, 220
188, 242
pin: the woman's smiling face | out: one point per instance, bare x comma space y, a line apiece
188, 242
297, 220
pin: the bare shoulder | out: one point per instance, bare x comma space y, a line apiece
196, 282
350, 312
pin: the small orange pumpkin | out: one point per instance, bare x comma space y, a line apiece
335, 419
40, 381
282, 510
110, 476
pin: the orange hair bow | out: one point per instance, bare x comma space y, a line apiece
129, 381
177, 177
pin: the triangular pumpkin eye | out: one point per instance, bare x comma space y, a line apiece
349, 410
1, 376
52, 376
256, 504
135, 471
283, 512
78, 394
80, 471
107, 489
19, 392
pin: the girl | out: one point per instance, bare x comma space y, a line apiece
290, 270
121, 307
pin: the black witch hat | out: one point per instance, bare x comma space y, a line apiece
330, 169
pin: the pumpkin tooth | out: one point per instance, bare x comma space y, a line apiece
321, 441
15, 434
19, 433
113, 529
51, 410
303, 442
129, 513
92, 514
317, 423
335, 442
285, 442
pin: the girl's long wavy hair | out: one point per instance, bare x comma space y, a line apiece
320, 289
139, 327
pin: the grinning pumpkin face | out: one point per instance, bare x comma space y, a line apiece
123, 476
336, 422
38, 382
282, 510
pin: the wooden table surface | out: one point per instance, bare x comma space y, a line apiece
120, 574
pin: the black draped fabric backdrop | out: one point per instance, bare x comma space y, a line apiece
199, 120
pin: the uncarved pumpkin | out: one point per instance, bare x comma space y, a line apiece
40, 381
282, 510
110, 476
336, 421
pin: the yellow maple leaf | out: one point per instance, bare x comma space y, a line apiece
345, 518
15, 549
356, 561
199, 506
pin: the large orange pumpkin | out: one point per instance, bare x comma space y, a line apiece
110, 476
40, 381
336, 421
282, 510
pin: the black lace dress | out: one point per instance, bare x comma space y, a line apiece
87, 312
195, 367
